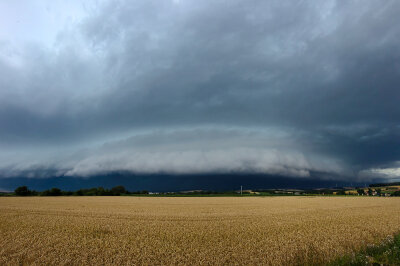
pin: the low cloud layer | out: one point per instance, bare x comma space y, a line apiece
199, 152
201, 87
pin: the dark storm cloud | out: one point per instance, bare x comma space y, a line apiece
320, 77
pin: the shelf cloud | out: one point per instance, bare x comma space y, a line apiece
183, 87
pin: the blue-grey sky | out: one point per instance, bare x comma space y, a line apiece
197, 87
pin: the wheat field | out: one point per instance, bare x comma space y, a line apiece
220, 230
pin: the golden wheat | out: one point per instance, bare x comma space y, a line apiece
223, 230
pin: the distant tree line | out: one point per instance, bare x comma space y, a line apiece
385, 184
96, 191
120, 190
209, 192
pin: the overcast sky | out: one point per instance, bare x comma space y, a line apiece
211, 86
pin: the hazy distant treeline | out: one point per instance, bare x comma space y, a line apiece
385, 184
96, 191
120, 190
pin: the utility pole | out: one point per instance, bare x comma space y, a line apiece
241, 190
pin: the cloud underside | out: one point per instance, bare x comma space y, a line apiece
211, 150
207, 87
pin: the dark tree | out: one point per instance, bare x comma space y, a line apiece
23, 191
55, 192
52, 192
396, 193
118, 190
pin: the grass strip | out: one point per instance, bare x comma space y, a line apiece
385, 253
